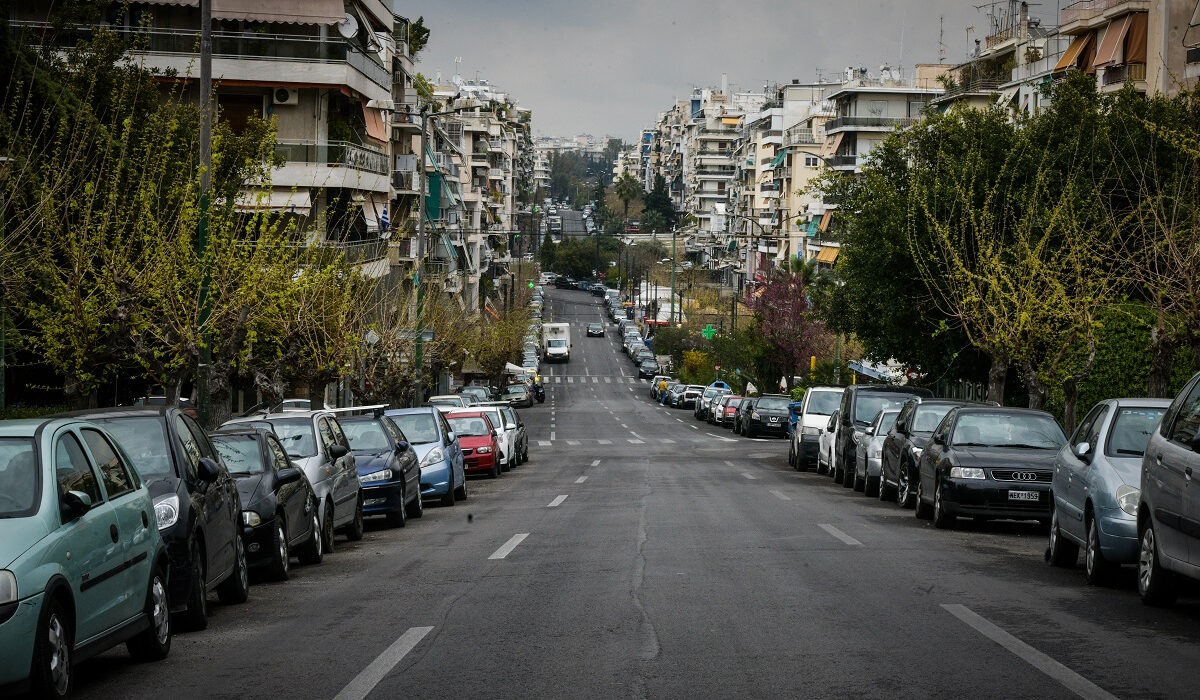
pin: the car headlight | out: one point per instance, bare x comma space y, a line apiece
433, 457
809, 430
483, 450
8, 587
754, 415
166, 511
966, 473
381, 475
1127, 498
251, 518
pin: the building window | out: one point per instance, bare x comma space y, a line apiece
811, 161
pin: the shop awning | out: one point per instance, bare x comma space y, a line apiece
376, 129
292, 12
278, 199
1070, 57
828, 255
1114, 39
825, 219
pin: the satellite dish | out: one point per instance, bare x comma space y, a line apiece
348, 27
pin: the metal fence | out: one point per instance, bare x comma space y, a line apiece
333, 153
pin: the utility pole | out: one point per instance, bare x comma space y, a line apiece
672, 321
204, 368
419, 273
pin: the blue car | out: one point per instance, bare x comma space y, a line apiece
388, 468
437, 450
1096, 484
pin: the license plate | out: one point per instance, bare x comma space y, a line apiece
1023, 495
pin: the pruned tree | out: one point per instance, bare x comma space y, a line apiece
789, 326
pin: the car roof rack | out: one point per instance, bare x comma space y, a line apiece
375, 410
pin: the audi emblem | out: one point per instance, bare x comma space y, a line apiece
1025, 476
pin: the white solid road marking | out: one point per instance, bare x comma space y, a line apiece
604, 442
570, 380
369, 677
581, 479
846, 539
595, 380
781, 495
624, 426
749, 476
635, 442
551, 434
595, 462
573, 443
1068, 678
608, 380
557, 501
509, 546
722, 439
544, 443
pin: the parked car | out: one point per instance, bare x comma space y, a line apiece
196, 504
827, 443
81, 567
1168, 508
517, 395
654, 382
451, 400
904, 443
506, 436
859, 405
674, 394
482, 393
768, 416
388, 468
440, 457
742, 414
477, 436
279, 506
728, 410
644, 354
690, 395
595, 330
704, 405
316, 443
818, 404
1097, 478
868, 452
648, 367
987, 462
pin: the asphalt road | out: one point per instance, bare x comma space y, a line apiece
572, 222
642, 554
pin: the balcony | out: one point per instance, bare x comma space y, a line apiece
1086, 14
359, 252
479, 155
975, 86
800, 137
404, 181
495, 146
495, 174
887, 123
1123, 73
335, 154
404, 120
844, 161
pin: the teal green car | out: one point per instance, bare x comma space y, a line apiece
82, 567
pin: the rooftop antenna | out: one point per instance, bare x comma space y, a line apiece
942, 39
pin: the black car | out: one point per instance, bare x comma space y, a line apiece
279, 508
742, 414
768, 415
595, 330
196, 504
903, 446
988, 462
648, 368
642, 355
859, 405
388, 468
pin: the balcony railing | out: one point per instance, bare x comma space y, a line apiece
333, 154
360, 252
887, 122
975, 85
405, 180
495, 173
799, 137
1115, 75
843, 160
1089, 9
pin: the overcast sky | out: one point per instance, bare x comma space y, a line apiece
610, 66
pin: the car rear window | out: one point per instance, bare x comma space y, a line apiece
927, 418
19, 478
365, 435
469, 426
869, 405
296, 436
1131, 431
823, 403
144, 439
240, 453
419, 428
773, 403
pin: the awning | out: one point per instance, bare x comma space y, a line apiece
730, 121
1070, 57
828, 255
778, 159
292, 12
375, 126
1135, 43
825, 221
374, 207
510, 368
1007, 95
831, 144
278, 199
1114, 39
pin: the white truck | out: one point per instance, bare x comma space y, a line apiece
556, 342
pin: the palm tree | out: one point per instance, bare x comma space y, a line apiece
628, 189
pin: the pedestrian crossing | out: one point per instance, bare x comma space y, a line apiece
589, 379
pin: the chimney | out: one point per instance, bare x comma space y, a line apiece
724, 83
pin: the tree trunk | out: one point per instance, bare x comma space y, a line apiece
997, 375
220, 398
1162, 363
1038, 390
1070, 389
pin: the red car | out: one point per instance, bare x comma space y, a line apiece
477, 438
730, 410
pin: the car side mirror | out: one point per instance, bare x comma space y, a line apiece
1083, 450
939, 438
401, 447
451, 437
338, 451
901, 427
846, 420
209, 471
74, 504
288, 475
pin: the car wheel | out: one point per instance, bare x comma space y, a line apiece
311, 551
1097, 569
154, 642
327, 529
236, 588
195, 615
923, 509
397, 518
837, 474
871, 486
416, 508
354, 532
449, 498
525, 452
822, 468
52, 674
886, 492
281, 554
860, 482
495, 471
791, 455
941, 519
904, 487
1059, 551
1156, 585
461, 492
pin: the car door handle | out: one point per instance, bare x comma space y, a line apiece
112, 530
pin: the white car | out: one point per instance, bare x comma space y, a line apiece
819, 402
506, 433
825, 445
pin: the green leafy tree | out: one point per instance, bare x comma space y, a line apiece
627, 189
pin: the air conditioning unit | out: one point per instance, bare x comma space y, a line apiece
285, 96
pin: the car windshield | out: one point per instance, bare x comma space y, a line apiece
823, 403
869, 405
297, 436
365, 435
926, 418
515, 389
556, 343
595, 326
773, 403
144, 439
18, 478
240, 453
1131, 431
1008, 430
456, 402
419, 428
469, 426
